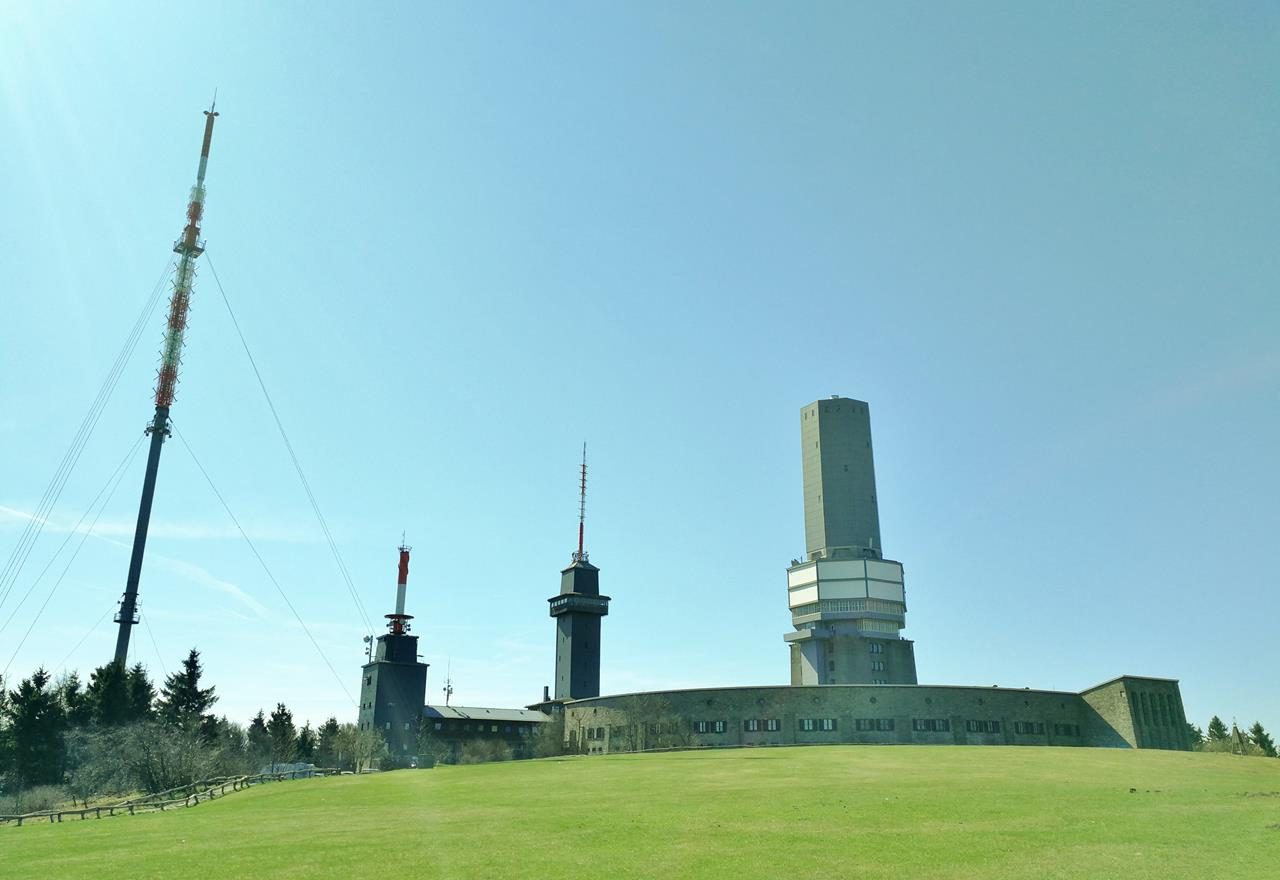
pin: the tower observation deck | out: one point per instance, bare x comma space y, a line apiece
848, 603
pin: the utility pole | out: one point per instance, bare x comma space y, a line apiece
188, 248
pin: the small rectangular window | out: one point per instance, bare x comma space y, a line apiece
751, 724
772, 724
807, 724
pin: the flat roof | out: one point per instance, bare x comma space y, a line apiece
792, 687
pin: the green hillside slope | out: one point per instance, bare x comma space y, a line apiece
918, 812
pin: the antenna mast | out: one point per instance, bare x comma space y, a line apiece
398, 623
188, 248
581, 555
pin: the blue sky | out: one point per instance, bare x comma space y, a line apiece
460, 239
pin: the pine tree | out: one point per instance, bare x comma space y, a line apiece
1262, 739
75, 700
141, 693
183, 703
306, 743
284, 736
108, 694
1195, 736
1217, 730
259, 739
327, 748
36, 725
6, 741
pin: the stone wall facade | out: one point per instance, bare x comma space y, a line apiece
886, 714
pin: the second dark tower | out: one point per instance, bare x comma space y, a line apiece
577, 609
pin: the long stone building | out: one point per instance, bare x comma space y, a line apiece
1126, 712
853, 675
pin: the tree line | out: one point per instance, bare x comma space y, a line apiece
1217, 738
63, 739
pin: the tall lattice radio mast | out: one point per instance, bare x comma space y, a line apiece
188, 248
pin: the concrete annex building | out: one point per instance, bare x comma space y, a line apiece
853, 675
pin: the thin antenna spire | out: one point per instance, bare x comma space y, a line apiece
581, 555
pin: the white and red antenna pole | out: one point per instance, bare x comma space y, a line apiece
581, 555
399, 622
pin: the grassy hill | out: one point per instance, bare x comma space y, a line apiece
914, 812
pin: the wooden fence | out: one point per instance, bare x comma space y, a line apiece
182, 796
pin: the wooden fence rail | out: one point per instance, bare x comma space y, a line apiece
187, 795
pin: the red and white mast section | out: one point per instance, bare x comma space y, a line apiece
398, 623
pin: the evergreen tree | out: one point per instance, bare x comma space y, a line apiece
183, 703
327, 748
141, 694
108, 694
307, 743
1262, 739
1195, 735
75, 700
36, 725
1217, 730
284, 736
259, 739
6, 742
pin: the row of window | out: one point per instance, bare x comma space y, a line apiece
816, 724
481, 727
980, 726
883, 724
935, 725
1025, 728
862, 725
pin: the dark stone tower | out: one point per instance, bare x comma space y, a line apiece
394, 687
577, 609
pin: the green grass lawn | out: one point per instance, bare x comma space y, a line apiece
829, 812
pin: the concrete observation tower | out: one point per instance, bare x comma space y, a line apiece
848, 603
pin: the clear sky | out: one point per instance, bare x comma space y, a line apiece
461, 239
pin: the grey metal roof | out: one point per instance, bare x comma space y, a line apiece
471, 713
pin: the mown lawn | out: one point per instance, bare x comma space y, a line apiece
840, 811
